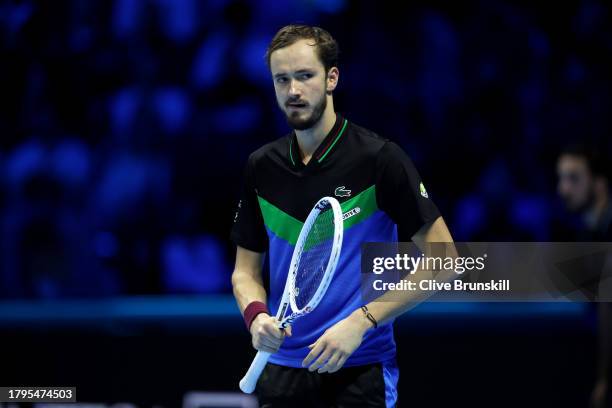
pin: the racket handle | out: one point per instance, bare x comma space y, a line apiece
249, 381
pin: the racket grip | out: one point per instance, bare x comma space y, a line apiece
249, 381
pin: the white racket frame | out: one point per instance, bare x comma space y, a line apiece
249, 381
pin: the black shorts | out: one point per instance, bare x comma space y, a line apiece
372, 385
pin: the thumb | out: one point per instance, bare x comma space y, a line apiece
288, 331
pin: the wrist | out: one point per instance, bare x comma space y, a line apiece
252, 311
361, 321
257, 321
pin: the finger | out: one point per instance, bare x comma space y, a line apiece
258, 345
273, 341
267, 349
273, 331
331, 363
319, 362
314, 352
340, 363
323, 357
288, 331
270, 342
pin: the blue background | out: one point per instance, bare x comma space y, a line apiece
125, 126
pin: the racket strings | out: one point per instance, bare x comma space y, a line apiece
315, 257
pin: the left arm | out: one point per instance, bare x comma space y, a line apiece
338, 342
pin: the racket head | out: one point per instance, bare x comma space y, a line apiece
315, 256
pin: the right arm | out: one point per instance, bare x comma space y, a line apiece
246, 278
248, 287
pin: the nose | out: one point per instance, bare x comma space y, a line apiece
561, 188
564, 188
294, 89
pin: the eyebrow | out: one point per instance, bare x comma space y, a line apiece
299, 71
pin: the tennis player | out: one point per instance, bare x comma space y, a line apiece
342, 354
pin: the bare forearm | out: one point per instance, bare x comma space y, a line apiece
247, 289
392, 304
247, 282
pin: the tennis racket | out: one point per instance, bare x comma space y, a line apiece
311, 270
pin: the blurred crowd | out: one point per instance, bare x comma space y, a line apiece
125, 124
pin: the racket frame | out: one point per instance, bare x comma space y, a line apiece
249, 381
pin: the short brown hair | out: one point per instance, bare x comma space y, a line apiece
327, 47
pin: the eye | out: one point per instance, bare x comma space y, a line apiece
281, 80
305, 76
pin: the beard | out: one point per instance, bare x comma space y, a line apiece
581, 205
295, 121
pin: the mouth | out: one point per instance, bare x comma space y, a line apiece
296, 105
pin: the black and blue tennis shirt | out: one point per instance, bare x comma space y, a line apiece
382, 199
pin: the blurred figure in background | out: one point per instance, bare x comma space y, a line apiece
584, 187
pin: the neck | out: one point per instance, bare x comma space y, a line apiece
310, 139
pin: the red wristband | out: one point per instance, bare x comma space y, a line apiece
252, 310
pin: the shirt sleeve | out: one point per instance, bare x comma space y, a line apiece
248, 230
400, 192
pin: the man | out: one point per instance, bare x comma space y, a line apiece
337, 355
583, 186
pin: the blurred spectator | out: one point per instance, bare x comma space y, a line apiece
584, 187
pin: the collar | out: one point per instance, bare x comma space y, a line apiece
328, 143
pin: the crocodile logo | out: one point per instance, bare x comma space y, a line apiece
342, 192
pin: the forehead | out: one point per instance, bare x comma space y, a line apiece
571, 163
298, 56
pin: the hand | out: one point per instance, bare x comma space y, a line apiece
265, 334
337, 344
598, 397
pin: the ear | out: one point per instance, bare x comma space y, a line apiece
332, 79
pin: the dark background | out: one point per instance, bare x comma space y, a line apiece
124, 129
